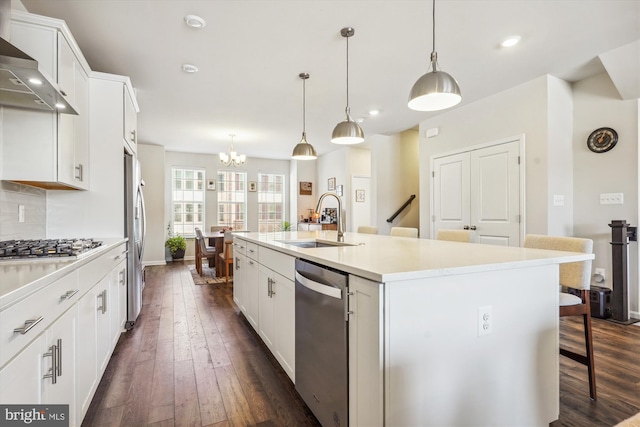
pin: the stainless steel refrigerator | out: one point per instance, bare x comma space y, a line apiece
135, 230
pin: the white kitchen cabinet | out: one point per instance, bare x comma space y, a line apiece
366, 361
49, 149
276, 324
119, 293
251, 278
29, 377
130, 120
61, 340
239, 264
21, 378
99, 322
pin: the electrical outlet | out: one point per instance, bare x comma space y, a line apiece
485, 320
20, 213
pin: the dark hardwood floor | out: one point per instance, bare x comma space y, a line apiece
192, 359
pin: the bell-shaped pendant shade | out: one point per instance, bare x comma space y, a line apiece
347, 132
303, 150
436, 90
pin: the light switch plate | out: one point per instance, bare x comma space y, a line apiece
612, 199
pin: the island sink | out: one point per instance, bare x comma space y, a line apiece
315, 243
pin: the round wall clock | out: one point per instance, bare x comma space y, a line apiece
602, 140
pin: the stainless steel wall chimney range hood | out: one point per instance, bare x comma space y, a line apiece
22, 84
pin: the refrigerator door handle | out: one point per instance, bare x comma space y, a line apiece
143, 221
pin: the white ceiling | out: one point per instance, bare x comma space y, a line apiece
251, 51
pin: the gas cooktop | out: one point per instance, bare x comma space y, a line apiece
45, 248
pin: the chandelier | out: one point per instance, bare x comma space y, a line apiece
232, 158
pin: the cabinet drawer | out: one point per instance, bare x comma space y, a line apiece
94, 271
277, 261
239, 246
252, 250
49, 303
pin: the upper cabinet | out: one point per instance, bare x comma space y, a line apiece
130, 128
48, 149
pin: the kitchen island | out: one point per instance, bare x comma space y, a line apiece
440, 333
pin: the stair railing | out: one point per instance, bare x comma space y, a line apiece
407, 203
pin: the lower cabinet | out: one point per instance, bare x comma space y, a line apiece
251, 279
239, 265
80, 318
366, 361
276, 324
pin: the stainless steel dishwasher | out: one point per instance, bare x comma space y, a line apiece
322, 342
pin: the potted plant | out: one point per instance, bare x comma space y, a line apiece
177, 244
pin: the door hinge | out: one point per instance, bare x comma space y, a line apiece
518, 159
433, 174
433, 218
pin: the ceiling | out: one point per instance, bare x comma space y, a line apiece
250, 53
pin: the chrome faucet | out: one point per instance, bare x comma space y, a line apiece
340, 225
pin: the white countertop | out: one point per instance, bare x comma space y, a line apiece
21, 277
385, 259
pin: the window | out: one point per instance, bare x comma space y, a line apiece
232, 199
187, 200
270, 202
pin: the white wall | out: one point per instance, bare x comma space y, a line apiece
395, 171
517, 111
151, 159
305, 171
597, 104
556, 119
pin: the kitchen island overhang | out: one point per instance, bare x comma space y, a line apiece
426, 361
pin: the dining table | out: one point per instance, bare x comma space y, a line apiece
216, 239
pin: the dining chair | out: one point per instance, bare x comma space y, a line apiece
468, 236
226, 257
575, 275
217, 228
203, 251
367, 229
404, 232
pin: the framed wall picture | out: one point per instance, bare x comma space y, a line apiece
359, 195
253, 186
305, 188
331, 184
211, 184
339, 190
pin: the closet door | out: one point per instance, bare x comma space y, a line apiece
479, 189
451, 192
495, 194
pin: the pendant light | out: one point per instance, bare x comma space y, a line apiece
348, 131
436, 90
232, 158
303, 150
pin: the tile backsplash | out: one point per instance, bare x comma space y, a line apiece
34, 200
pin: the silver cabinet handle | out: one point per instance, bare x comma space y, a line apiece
473, 227
251, 250
121, 274
53, 371
133, 136
237, 264
103, 297
28, 324
78, 175
271, 292
59, 366
69, 294
121, 256
251, 262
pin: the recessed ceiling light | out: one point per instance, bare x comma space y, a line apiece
374, 112
189, 68
510, 41
194, 21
